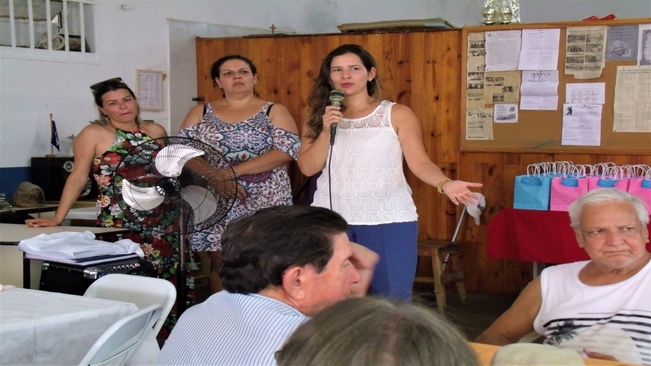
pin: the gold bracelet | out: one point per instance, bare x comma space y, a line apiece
439, 187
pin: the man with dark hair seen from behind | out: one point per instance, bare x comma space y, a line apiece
280, 266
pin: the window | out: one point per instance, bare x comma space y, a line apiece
48, 30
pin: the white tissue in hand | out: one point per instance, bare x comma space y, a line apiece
475, 209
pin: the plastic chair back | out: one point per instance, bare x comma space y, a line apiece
118, 343
140, 290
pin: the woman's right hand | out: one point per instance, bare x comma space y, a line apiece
313, 152
41, 222
85, 149
332, 115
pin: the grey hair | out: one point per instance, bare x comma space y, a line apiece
370, 331
603, 195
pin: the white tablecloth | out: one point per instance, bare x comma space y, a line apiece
48, 328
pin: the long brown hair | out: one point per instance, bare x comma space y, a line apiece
320, 96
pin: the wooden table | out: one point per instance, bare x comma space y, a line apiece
49, 328
80, 216
42, 208
486, 351
19, 214
12, 234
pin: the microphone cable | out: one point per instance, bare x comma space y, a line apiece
330, 175
336, 96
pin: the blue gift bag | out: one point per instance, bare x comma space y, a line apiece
532, 190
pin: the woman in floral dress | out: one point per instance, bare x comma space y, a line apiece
99, 148
256, 136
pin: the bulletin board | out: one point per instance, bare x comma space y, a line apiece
541, 130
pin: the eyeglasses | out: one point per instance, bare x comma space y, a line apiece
96, 86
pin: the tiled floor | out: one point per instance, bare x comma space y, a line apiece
473, 317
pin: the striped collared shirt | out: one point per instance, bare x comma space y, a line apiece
231, 329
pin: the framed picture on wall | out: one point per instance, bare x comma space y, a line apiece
149, 89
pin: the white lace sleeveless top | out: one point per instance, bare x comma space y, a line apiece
368, 183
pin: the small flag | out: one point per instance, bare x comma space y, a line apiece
54, 140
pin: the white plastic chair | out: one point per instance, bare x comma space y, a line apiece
140, 290
119, 342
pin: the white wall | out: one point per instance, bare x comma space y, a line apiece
183, 62
139, 38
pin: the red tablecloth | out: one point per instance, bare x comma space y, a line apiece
535, 236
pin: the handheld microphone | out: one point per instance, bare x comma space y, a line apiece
336, 96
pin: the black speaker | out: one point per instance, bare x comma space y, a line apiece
75, 279
67, 279
50, 173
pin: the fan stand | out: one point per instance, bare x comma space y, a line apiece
181, 277
164, 186
165, 159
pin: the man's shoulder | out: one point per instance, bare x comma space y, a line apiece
262, 303
243, 303
230, 328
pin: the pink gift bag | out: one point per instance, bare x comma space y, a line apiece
641, 185
617, 177
567, 188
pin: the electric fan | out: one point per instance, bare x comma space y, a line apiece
175, 185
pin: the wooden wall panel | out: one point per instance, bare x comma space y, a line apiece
421, 70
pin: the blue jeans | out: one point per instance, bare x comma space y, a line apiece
396, 244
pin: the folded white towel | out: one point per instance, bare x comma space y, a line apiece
76, 245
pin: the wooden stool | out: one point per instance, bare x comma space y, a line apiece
437, 250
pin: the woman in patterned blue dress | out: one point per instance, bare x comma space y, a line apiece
257, 137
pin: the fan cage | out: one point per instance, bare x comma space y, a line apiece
138, 166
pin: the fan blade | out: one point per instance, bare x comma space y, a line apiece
203, 203
140, 198
171, 159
